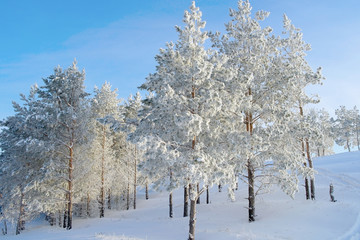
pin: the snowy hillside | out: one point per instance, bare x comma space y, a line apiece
279, 217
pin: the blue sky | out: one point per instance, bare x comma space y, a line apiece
116, 40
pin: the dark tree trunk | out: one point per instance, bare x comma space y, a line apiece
109, 199
128, 196
207, 195
219, 187
197, 190
102, 188
307, 191
192, 219
65, 218
170, 197
88, 205
332, 198
186, 201
250, 168
146, 191
312, 182
170, 205
251, 190
51, 219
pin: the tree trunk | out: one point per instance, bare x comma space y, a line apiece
250, 168
348, 145
21, 223
65, 217
198, 198
332, 198
4, 230
146, 191
102, 189
186, 201
135, 166
192, 219
109, 199
207, 195
170, 196
219, 187
312, 183
128, 196
170, 205
70, 206
307, 192
251, 192
128, 188
59, 218
88, 205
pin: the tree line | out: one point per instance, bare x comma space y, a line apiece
231, 112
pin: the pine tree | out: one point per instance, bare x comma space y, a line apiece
105, 103
344, 127
64, 99
181, 128
270, 73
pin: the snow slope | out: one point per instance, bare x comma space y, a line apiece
279, 217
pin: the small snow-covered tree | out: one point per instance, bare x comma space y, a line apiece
323, 144
356, 129
344, 129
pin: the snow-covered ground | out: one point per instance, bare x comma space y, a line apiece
279, 217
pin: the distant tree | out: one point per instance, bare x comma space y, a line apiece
323, 143
345, 127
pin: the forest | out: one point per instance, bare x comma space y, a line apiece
220, 108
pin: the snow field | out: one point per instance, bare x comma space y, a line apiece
279, 217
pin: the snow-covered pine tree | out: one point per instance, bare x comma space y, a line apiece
105, 103
356, 129
132, 118
267, 75
23, 143
178, 132
322, 144
64, 99
17, 163
344, 129
302, 75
